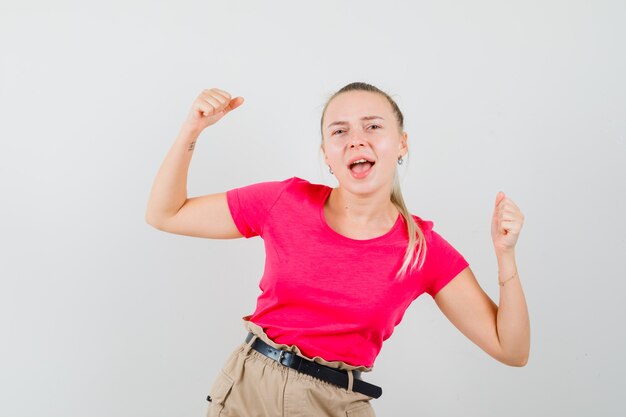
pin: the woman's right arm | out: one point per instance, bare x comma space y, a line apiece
169, 209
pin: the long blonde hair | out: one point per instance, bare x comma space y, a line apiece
416, 249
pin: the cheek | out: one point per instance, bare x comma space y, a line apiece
387, 149
332, 153
333, 147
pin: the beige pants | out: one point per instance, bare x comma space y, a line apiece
253, 385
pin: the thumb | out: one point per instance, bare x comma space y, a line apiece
234, 103
494, 218
499, 197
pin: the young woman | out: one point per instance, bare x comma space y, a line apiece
342, 264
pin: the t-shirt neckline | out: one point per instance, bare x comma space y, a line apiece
338, 235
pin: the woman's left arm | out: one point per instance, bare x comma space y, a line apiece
502, 331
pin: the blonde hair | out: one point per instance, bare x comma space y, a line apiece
416, 248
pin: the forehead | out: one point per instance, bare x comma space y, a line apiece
355, 104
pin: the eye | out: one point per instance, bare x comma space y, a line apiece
338, 130
373, 126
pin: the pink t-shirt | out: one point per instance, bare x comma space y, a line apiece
330, 295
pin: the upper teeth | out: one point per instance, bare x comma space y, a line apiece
359, 161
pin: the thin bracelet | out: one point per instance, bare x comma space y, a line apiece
508, 279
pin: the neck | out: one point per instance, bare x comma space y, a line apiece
375, 208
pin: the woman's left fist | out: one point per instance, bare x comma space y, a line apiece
506, 224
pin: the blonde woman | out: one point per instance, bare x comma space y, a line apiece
342, 264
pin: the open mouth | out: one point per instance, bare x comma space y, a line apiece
361, 167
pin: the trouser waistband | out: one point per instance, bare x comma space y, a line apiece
334, 376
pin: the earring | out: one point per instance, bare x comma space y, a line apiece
330, 170
400, 161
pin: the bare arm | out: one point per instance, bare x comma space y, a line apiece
503, 332
168, 208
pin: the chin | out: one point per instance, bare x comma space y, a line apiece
368, 186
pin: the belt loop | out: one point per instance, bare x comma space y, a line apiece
350, 381
248, 346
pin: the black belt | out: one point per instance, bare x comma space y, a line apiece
335, 376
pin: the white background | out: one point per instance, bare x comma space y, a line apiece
103, 315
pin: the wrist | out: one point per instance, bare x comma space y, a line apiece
187, 138
503, 280
507, 254
507, 267
189, 132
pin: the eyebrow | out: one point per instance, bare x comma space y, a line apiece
341, 122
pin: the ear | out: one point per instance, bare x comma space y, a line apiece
324, 152
403, 149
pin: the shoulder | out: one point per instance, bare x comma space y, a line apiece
425, 225
289, 190
302, 183
272, 186
433, 238
438, 248
297, 186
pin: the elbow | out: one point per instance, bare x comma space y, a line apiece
149, 219
517, 361
152, 221
158, 219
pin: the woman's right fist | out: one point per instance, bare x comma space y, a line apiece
209, 107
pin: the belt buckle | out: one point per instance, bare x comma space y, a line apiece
281, 356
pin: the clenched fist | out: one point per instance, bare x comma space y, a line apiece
209, 107
506, 223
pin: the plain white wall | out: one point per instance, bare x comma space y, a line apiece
102, 315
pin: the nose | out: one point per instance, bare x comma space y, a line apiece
356, 140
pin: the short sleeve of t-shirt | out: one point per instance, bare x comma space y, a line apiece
250, 205
443, 263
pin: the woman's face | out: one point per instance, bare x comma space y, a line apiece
361, 125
